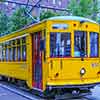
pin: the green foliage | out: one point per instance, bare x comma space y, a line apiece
47, 14
95, 10
87, 8
19, 20
4, 23
2, 0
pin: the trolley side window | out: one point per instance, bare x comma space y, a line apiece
3, 52
7, 51
24, 49
60, 45
94, 44
0, 51
80, 44
13, 50
18, 49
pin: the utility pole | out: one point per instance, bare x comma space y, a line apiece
38, 12
38, 9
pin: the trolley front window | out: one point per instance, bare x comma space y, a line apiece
94, 44
60, 45
80, 44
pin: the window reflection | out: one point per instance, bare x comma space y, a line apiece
60, 45
24, 52
80, 44
13, 50
94, 44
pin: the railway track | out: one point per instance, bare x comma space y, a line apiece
18, 91
28, 95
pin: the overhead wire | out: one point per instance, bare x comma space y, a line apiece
36, 4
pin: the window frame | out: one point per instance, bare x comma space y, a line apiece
86, 44
70, 46
9, 50
97, 46
23, 47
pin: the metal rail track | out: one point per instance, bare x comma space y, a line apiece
28, 95
19, 91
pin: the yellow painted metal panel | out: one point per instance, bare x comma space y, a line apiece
14, 69
29, 60
71, 67
88, 44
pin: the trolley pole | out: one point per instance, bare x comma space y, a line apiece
38, 12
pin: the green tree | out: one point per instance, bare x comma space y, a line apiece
19, 19
47, 14
2, 0
88, 8
4, 23
95, 10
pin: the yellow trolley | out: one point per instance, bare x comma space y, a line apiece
57, 54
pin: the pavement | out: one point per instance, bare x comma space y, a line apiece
8, 95
95, 95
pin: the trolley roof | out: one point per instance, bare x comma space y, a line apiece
72, 18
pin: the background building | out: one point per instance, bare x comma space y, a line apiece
10, 6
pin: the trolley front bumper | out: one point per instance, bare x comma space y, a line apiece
80, 86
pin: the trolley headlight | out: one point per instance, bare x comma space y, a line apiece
82, 71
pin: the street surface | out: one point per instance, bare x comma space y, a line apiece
5, 94
8, 95
95, 95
